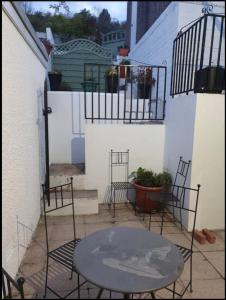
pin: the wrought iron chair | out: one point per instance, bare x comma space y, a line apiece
169, 194
119, 160
187, 206
8, 283
63, 254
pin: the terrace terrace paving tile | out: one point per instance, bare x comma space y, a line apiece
201, 269
178, 239
135, 224
217, 259
219, 245
35, 253
93, 227
40, 234
207, 289
220, 233
65, 232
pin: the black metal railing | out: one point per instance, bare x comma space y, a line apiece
8, 283
124, 92
200, 46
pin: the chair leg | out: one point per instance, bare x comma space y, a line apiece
47, 269
149, 222
181, 218
174, 288
78, 286
191, 290
162, 222
152, 295
114, 202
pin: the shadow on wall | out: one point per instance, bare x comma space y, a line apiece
78, 150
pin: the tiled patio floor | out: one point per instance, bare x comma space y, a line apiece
208, 259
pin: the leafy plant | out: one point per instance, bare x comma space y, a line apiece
113, 72
148, 178
125, 62
145, 76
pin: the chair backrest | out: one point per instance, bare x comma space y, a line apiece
188, 203
182, 172
8, 283
60, 196
119, 159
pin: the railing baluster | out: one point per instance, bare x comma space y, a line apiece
172, 91
179, 64
182, 62
61, 192
98, 91
220, 41
203, 42
157, 94
186, 61
189, 61
211, 43
118, 91
193, 59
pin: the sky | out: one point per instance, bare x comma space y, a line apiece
117, 9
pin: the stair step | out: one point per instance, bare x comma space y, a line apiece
66, 169
85, 203
77, 194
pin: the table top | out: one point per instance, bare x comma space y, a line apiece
128, 260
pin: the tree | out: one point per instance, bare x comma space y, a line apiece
104, 21
57, 7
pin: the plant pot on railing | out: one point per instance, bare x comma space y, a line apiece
55, 80
144, 90
123, 51
111, 84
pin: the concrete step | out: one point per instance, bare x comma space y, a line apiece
61, 174
85, 203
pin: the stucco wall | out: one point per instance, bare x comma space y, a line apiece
208, 166
145, 144
23, 82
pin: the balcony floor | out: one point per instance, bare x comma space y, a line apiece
208, 259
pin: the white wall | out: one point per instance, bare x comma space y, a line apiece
23, 83
66, 123
145, 144
208, 161
133, 32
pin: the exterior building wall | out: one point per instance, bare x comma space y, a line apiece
133, 27
208, 160
143, 152
22, 91
147, 13
185, 121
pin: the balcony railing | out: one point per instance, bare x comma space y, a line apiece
129, 93
200, 46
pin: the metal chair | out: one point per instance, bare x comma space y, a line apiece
119, 160
188, 206
8, 283
63, 254
169, 194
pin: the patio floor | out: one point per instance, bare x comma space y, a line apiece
208, 259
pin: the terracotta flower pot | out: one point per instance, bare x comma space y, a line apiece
144, 203
123, 51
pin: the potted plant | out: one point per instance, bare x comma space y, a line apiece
123, 50
146, 182
124, 72
111, 77
55, 78
145, 82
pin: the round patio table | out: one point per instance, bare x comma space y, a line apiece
128, 260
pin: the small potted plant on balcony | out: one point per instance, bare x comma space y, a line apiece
145, 181
55, 78
111, 77
124, 72
145, 81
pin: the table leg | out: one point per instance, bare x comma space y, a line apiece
99, 294
126, 296
152, 295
